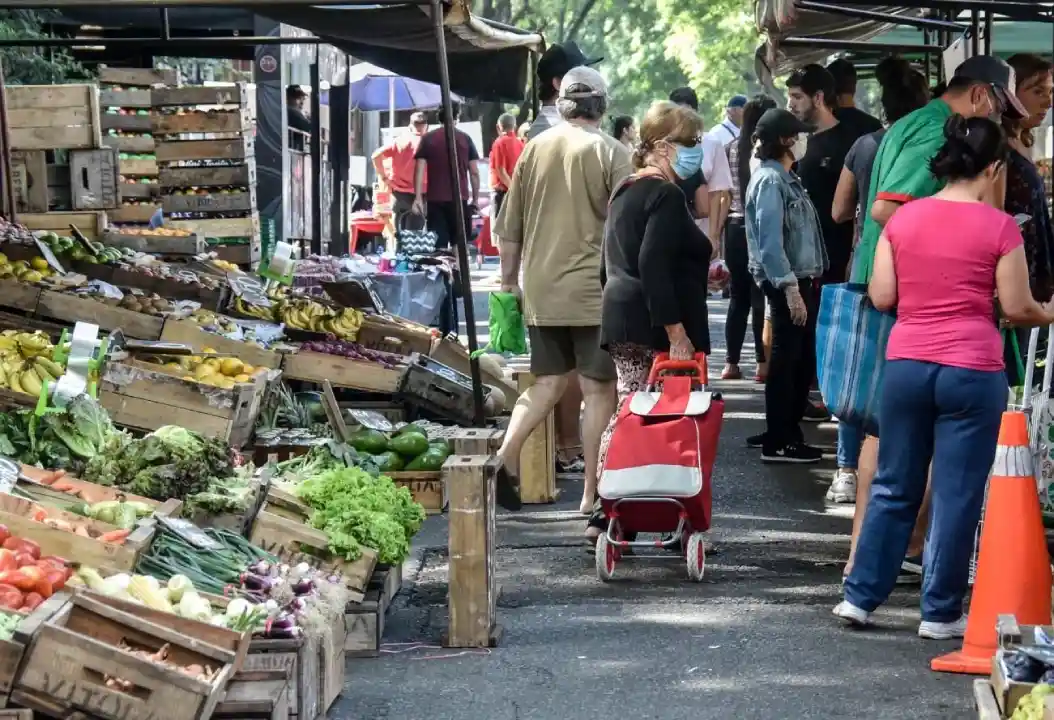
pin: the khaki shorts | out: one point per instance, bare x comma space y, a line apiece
557, 350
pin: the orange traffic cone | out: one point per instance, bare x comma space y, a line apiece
1013, 567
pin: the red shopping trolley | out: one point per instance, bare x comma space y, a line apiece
657, 474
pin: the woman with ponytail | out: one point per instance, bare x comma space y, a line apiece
939, 263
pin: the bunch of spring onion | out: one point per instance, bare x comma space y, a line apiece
308, 598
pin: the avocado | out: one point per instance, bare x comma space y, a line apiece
409, 445
427, 461
441, 444
368, 441
388, 462
411, 428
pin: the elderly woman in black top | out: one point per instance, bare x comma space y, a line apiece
655, 260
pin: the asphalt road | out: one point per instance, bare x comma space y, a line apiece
755, 639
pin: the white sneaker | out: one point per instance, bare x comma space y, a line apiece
857, 617
942, 631
843, 487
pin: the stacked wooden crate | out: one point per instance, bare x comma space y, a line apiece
207, 166
60, 172
125, 106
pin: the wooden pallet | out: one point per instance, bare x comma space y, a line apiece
46, 117
364, 622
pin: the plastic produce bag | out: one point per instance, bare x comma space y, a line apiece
507, 334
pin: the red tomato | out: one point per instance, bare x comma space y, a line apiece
23, 559
56, 578
4, 534
8, 560
11, 597
18, 545
31, 601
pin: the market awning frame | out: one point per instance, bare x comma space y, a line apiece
439, 12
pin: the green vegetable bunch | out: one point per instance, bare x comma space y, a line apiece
355, 508
58, 440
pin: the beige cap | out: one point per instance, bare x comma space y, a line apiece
586, 82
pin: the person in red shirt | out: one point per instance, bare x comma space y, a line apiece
394, 164
503, 156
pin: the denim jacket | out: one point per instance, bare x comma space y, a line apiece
784, 240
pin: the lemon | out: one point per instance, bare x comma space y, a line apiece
3, 259
174, 366
231, 366
31, 276
203, 371
242, 378
247, 369
213, 363
223, 382
209, 351
38, 263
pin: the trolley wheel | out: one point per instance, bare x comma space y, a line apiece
695, 556
605, 558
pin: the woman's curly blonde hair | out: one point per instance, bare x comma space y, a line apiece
666, 121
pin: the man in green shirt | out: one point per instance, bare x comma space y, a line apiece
982, 86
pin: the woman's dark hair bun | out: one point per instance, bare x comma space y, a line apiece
970, 146
892, 71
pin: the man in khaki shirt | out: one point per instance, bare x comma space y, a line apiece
552, 225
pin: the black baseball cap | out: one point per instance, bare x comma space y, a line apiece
558, 59
995, 72
778, 123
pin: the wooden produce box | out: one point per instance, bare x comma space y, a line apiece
206, 202
19, 295
139, 396
1009, 692
156, 244
299, 661
240, 147
426, 487
136, 77
136, 214
75, 649
237, 94
984, 700
93, 179
243, 255
125, 98
280, 529
473, 592
341, 371
72, 309
537, 459
364, 622
378, 333
30, 484
476, 441
138, 167
11, 651
188, 332
48, 117
243, 175
127, 122
15, 513
136, 190
29, 177
138, 144
253, 700
455, 355
211, 121
92, 224
219, 228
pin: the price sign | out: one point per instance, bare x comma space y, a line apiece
249, 289
9, 472
53, 261
189, 532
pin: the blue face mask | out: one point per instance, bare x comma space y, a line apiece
688, 160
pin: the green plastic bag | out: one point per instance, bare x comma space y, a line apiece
507, 334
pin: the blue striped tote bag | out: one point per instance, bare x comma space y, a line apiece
851, 338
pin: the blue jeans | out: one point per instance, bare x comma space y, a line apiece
850, 438
950, 415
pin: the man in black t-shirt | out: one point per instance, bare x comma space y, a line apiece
846, 111
811, 93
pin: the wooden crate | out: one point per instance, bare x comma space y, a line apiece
227, 176
287, 536
205, 202
427, 488
15, 514
140, 397
16, 714
30, 484
244, 255
364, 622
139, 144
244, 227
240, 147
138, 191
340, 371
29, 177
253, 700
157, 244
138, 167
74, 649
378, 333
188, 332
130, 98
93, 179
237, 94
92, 224
476, 441
455, 355
300, 660
213, 121
392, 412
141, 213
71, 309
136, 77
111, 119
11, 651
48, 117
19, 295
473, 593
538, 458
984, 701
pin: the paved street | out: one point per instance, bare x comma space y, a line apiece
756, 639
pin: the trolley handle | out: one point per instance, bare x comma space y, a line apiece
663, 363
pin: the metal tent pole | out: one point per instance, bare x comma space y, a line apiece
460, 236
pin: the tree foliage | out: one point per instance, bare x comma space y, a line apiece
649, 46
29, 65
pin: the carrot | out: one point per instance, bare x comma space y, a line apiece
52, 477
65, 486
115, 537
39, 516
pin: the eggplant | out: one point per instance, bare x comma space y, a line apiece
256, 584
303, 587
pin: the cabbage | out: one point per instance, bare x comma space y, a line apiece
194, 607
177, 586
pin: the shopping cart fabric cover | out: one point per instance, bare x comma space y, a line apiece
851, 339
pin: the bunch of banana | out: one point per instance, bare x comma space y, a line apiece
28, 376
33, 344
254, 311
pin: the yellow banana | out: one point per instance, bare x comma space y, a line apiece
3, 377
41, 373
31, 383
14, 383
51, 367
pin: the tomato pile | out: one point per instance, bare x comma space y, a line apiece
26, 578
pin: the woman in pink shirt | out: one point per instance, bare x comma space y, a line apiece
940, 263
